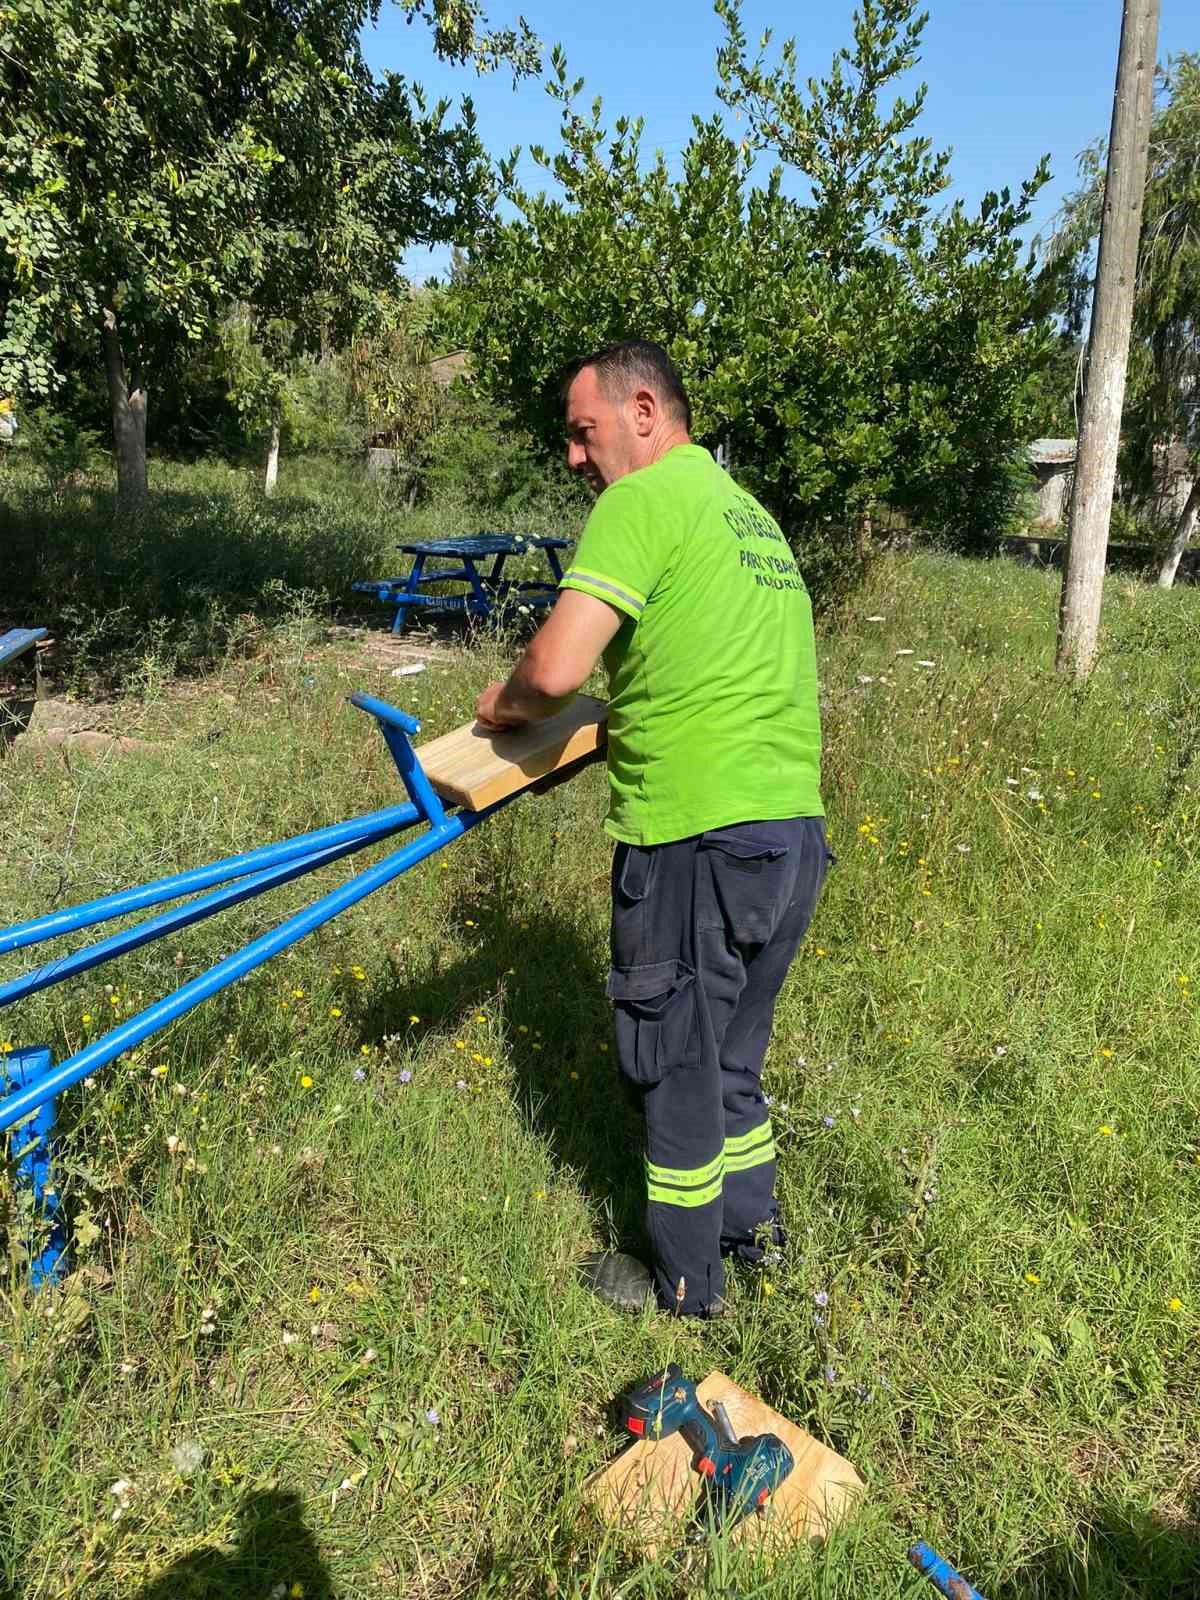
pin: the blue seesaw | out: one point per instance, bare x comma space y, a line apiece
30, 1083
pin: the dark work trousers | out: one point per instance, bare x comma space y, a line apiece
703, 932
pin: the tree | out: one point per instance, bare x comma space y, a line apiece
162, 159
1108, 341
392, 384
850, 347
1162, 399
257, 359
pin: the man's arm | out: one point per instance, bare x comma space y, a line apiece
557, 661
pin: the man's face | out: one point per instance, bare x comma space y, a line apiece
602, 437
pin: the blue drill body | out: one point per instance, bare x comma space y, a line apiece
740, 1474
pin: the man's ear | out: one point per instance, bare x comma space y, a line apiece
645, 411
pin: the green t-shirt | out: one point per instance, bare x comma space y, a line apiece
713, 714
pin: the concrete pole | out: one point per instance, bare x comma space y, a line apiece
1108, 340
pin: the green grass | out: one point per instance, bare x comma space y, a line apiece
194, 576
986, 1076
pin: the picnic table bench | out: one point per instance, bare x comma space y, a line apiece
485, 593
16, 641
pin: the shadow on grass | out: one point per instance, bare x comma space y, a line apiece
275, 1555
1132, 1553
569, 1092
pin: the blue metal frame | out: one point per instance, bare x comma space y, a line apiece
28, 1079
485, 595
23, 1068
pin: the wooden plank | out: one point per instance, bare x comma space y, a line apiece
651, 1489
475, 768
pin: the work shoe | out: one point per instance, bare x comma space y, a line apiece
621, 1281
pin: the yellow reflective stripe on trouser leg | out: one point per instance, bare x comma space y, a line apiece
753, 1149
685, 1186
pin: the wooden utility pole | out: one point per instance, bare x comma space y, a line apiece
1108, 340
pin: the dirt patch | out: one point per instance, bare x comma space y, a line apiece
1094, 1459
378, 651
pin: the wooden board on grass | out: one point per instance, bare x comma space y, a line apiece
651, 1489
475, 768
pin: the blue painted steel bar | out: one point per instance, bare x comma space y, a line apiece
395, 725
390, 716
941, 1574
208, 905
156, 1016
375, 825
25, 1068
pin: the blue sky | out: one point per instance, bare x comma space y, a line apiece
1007, 80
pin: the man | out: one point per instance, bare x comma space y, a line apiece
687, 587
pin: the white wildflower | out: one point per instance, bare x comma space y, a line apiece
187, 1457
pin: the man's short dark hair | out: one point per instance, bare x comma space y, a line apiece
623, 366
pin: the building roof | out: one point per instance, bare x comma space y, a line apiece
1051, 452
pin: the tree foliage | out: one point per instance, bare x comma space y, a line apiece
1162, 394
161, 159
849, 347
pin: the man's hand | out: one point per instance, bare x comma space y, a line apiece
492, 716
559, 658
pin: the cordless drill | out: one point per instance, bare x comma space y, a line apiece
739, 1474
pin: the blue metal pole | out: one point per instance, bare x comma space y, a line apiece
941, 1574
395, 726
392, 716
24, 1068
375, 825
131, 1033
208, 905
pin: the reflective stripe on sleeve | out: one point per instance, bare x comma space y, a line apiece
605, 588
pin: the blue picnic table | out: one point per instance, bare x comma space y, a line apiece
16, 641
485, 594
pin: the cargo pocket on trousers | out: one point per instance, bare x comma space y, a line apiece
750, 881
655, 1016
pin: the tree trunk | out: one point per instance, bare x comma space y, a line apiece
272, 472
1184, 529
129, 418
1108, 341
